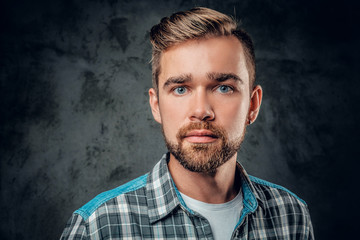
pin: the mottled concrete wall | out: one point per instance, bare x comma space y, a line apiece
75, 119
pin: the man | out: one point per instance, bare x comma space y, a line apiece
204, 96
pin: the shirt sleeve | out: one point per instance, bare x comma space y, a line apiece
75, 229
310, 227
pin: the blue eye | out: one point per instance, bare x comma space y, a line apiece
180, 90
224, 89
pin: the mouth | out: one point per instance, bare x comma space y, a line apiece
200, 136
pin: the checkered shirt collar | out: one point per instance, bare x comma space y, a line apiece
163, 196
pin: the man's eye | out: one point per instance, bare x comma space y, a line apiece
224, 89
180, 90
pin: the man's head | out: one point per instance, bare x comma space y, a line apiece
203, 94
197, 23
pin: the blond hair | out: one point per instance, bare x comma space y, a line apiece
197, 23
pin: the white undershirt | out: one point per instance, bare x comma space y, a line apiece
222, 217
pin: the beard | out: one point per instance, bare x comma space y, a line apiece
204, 157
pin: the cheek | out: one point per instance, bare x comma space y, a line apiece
171, 117
233, 117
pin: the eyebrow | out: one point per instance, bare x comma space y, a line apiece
219, 77
222, 77
178, 80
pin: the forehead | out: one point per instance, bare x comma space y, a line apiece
200, 57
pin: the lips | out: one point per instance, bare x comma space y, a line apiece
200, 136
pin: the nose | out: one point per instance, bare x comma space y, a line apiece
201, 108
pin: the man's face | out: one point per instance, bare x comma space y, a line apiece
203, 101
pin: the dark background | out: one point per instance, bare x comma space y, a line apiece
75, 119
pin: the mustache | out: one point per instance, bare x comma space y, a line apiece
216, 130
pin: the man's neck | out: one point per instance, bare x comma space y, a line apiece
218, 187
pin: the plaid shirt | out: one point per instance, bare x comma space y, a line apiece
150, 207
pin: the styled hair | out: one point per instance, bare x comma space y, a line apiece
197, 23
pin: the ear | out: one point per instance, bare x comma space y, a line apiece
255, 102
154, 104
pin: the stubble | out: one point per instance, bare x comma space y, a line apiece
204, 157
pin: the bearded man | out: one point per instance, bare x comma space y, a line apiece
204, 96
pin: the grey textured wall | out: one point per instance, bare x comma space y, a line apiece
75, 119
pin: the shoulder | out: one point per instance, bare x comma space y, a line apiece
113, 197
275, 195
279, 206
